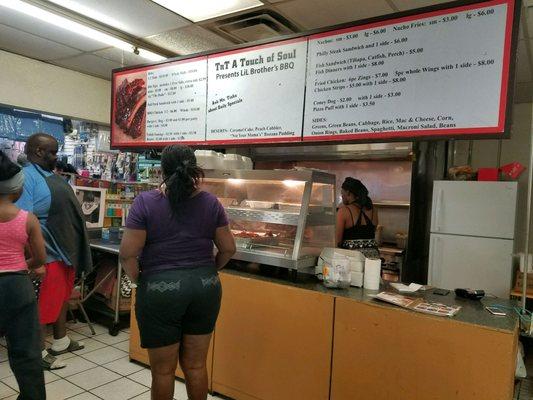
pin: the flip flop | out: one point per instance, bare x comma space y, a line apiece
50, 363
73, 346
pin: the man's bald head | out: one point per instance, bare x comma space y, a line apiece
41, 149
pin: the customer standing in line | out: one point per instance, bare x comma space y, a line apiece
168, 248
54, 203
18, 316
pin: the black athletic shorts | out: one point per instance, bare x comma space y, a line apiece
177, 302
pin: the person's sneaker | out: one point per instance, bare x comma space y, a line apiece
49, 363
73, 346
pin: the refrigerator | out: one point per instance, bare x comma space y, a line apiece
472, 235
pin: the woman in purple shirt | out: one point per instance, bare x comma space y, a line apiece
168, 249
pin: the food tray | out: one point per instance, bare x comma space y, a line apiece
227, 201
293, 208
264, 205
266, 240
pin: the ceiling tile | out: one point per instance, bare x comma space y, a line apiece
121, 57
410, 4
523, 68
32, 46
189, 40
37, 27
318, 13
137, 17
89, 64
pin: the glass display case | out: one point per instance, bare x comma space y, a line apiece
282, 218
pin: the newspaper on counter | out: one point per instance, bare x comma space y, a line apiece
420, 305
413, 287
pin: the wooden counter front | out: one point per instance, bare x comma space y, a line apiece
272, 341
382, 353
278, 340
139, 354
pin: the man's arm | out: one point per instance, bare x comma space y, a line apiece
26, 200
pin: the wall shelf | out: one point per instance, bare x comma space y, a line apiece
392, 204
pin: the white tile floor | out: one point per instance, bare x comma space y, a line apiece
100, 371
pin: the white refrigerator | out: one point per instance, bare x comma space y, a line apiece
472, 234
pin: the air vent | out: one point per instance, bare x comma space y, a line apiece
249, 27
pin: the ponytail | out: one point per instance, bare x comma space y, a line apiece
182, 174
8, 169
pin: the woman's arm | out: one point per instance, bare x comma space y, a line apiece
130, 248
226, 246
37, 250
339, 227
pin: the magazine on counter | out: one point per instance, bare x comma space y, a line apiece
420, 305
395, 298
441, 310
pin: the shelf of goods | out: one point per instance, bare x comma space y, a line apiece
119, 196
281, 218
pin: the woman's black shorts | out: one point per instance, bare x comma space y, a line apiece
177, 302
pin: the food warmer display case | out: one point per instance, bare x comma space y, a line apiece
282, 218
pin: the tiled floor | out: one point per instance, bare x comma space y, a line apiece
100, 371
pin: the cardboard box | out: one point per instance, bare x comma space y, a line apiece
124, 303
518, 282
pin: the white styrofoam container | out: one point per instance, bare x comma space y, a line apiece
209, 159
356, 266
219, 161
247, 163
357, 279
356, 259
233, 161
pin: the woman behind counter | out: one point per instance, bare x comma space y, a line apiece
357, 219
179, 293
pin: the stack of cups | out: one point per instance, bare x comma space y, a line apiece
372, 273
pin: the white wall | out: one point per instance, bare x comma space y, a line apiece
35, 85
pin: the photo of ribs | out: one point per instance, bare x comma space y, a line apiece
130, 107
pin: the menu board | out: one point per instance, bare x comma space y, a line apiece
257, 94
440, 73
165, 104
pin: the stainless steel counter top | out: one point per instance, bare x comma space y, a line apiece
102, 245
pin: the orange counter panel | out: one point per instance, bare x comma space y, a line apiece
381, 354
272, 341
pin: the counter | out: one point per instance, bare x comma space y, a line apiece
105, 246
277, 339
472, 312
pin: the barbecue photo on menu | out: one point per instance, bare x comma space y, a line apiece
129, 105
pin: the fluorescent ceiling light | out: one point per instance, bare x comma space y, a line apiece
76, 27
91, 13
150, 56
199, 10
